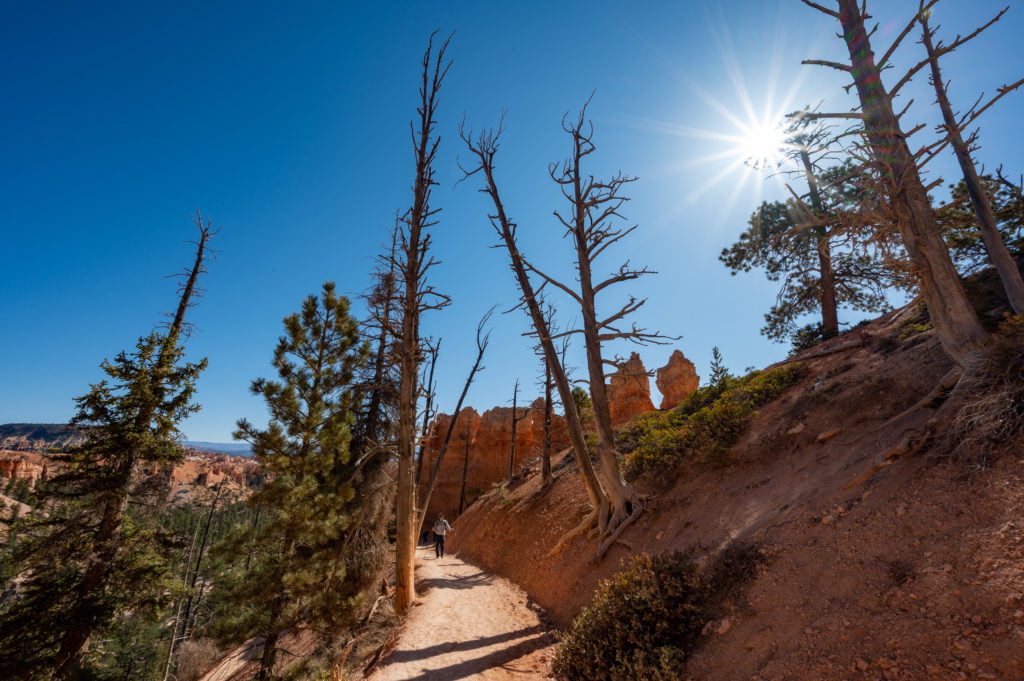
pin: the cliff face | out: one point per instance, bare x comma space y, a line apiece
481, 442
15, 465
38, 437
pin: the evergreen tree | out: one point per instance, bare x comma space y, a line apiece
297, 559
789, 253
960, 224
92, 549
719, 372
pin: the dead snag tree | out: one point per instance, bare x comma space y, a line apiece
483, 339
956, 322
809, 141
615, 503
516, 418
591, 224
953, 131
414, 296
485, 147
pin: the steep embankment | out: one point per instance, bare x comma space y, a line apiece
916, 572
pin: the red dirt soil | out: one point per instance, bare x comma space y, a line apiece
916, 572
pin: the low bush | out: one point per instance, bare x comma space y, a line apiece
645, 621
704, 426
641, 624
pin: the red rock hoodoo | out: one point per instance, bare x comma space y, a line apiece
629, 391
677, 380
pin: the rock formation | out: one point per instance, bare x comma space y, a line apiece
17, 465
629, 391
489, 436
676, 380
197, 472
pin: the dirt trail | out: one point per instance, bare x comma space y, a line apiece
467, 624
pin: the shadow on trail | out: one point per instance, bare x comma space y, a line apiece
534, 638
466, 582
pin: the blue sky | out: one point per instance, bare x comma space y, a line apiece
288, 127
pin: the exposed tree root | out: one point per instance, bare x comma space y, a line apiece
588, 522
606, 542
946, 385
603, 525
911, 444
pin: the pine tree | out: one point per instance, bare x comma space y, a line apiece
298, 569
720, 374
92, 548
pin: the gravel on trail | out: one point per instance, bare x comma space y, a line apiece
467, 624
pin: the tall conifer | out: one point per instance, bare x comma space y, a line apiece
298, 571
90, 550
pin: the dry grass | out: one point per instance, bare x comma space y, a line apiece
991, 412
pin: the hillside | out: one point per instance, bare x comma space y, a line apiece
911, 570
38, 437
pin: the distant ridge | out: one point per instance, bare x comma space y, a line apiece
232, 448
44, 436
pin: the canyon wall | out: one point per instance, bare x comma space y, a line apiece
480, 443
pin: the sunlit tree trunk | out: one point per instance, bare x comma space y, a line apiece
956, 322
1002, 260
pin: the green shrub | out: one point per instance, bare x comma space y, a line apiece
704, 426
806, 337
641, 625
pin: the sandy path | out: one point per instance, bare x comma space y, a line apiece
467, 624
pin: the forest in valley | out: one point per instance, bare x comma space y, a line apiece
105, 579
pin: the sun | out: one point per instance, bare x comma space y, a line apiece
760, 143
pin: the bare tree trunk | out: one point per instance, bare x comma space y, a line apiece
515, 423
485, 149
545, 452
1002, 260
482, 340
186, 622
827, 296
465, 473
956, 322
594, 203
414, 261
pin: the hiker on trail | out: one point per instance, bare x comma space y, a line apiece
440, 528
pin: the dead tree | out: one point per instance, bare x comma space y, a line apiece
806, 144
434, 350
592, 226
953, 129
465, 473
604, 515
516, 418
414, 296
483, 339
956, 323
545, 450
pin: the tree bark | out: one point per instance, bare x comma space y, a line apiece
1002, 260
956, 322
827, 295
545, 453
